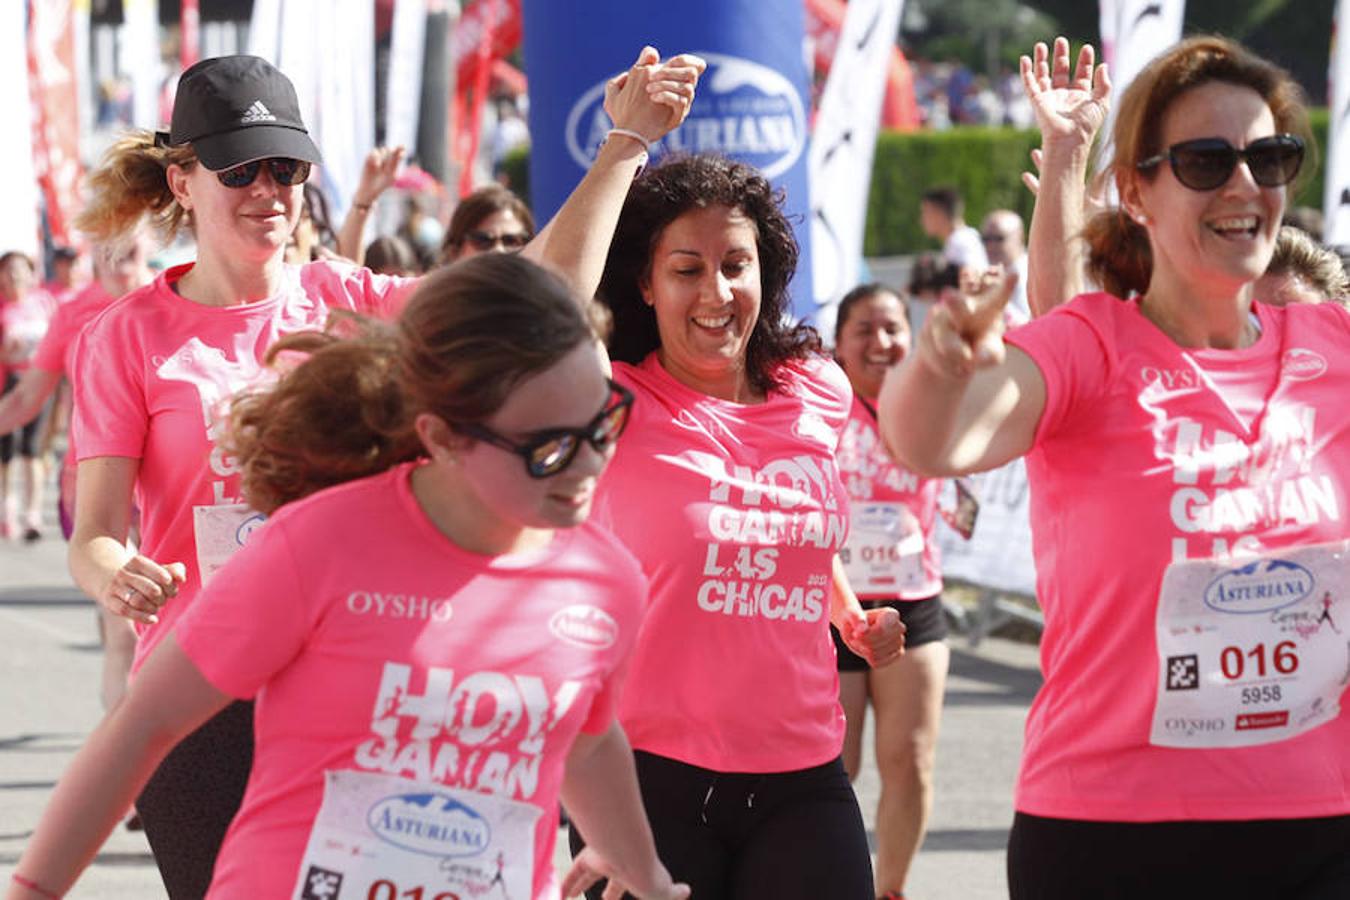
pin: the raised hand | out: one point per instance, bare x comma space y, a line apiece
1067, 107
377, 174
653, 98
964, 332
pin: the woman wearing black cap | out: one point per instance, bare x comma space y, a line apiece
154, 376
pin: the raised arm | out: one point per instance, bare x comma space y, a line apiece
377, 174
167, 700
1070, 111
651, 99
963, 401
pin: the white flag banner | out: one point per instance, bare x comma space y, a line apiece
18, 180
327, 49
403, 95
998, 555
839, 164
141, 57
1133, 32
1336, 202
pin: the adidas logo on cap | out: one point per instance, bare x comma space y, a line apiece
257, 113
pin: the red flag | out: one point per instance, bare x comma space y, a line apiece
56, 112
190, 43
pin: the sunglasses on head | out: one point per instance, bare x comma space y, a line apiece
285, 172
547, 453
1207, 163
484, 241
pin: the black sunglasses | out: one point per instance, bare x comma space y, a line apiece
1208, 163
547, 453
285, 172
484, 241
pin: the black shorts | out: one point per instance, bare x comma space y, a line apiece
1292, 859
744, 836
924, 621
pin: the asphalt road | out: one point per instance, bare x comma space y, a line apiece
49, 661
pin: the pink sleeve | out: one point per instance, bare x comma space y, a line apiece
51, 353
604, 707
252, 618
110, 417
357, 288
1075, 360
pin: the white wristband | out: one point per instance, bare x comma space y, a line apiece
627, 132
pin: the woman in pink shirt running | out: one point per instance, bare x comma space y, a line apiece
727, 491
154, 374
25, 311
1188, 451
434, 635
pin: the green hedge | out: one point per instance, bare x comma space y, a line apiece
985, 164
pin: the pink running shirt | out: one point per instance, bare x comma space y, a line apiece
153, 380
735, 512
1146, 453
56, 353
872, 476
357, 625
23, 323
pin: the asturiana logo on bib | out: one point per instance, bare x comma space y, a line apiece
744, 109
585, 626
1261, 586
1302, 364
432, 824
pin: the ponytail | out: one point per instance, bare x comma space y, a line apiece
337, 416
131, 183
469, 334
1119, 256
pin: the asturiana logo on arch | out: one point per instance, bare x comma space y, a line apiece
744, 109
432, 824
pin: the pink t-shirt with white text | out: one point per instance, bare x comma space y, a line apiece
23, 322
1149, 453
373, 643
735, 512
872, 476
153, 380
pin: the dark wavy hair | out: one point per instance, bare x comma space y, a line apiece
661, 195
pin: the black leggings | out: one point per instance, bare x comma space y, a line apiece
1289, 859
192, 797
23, 441
784, 836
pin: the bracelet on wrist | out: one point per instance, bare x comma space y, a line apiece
33, 886
629, 133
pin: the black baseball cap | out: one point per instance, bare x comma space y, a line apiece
236, 109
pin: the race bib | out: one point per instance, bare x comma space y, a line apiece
884, 551
220, 531
381, 837
1252, 651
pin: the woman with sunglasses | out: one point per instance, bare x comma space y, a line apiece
1189, 459
489, 220
427, 687
727, 491
153, 374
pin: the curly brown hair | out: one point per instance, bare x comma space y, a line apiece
468, 335
660, 196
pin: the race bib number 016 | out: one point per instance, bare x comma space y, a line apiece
381, 837
1252, 651
884, 552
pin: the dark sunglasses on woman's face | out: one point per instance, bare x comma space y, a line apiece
547, 453
285, 172
1208, 163
483, 241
